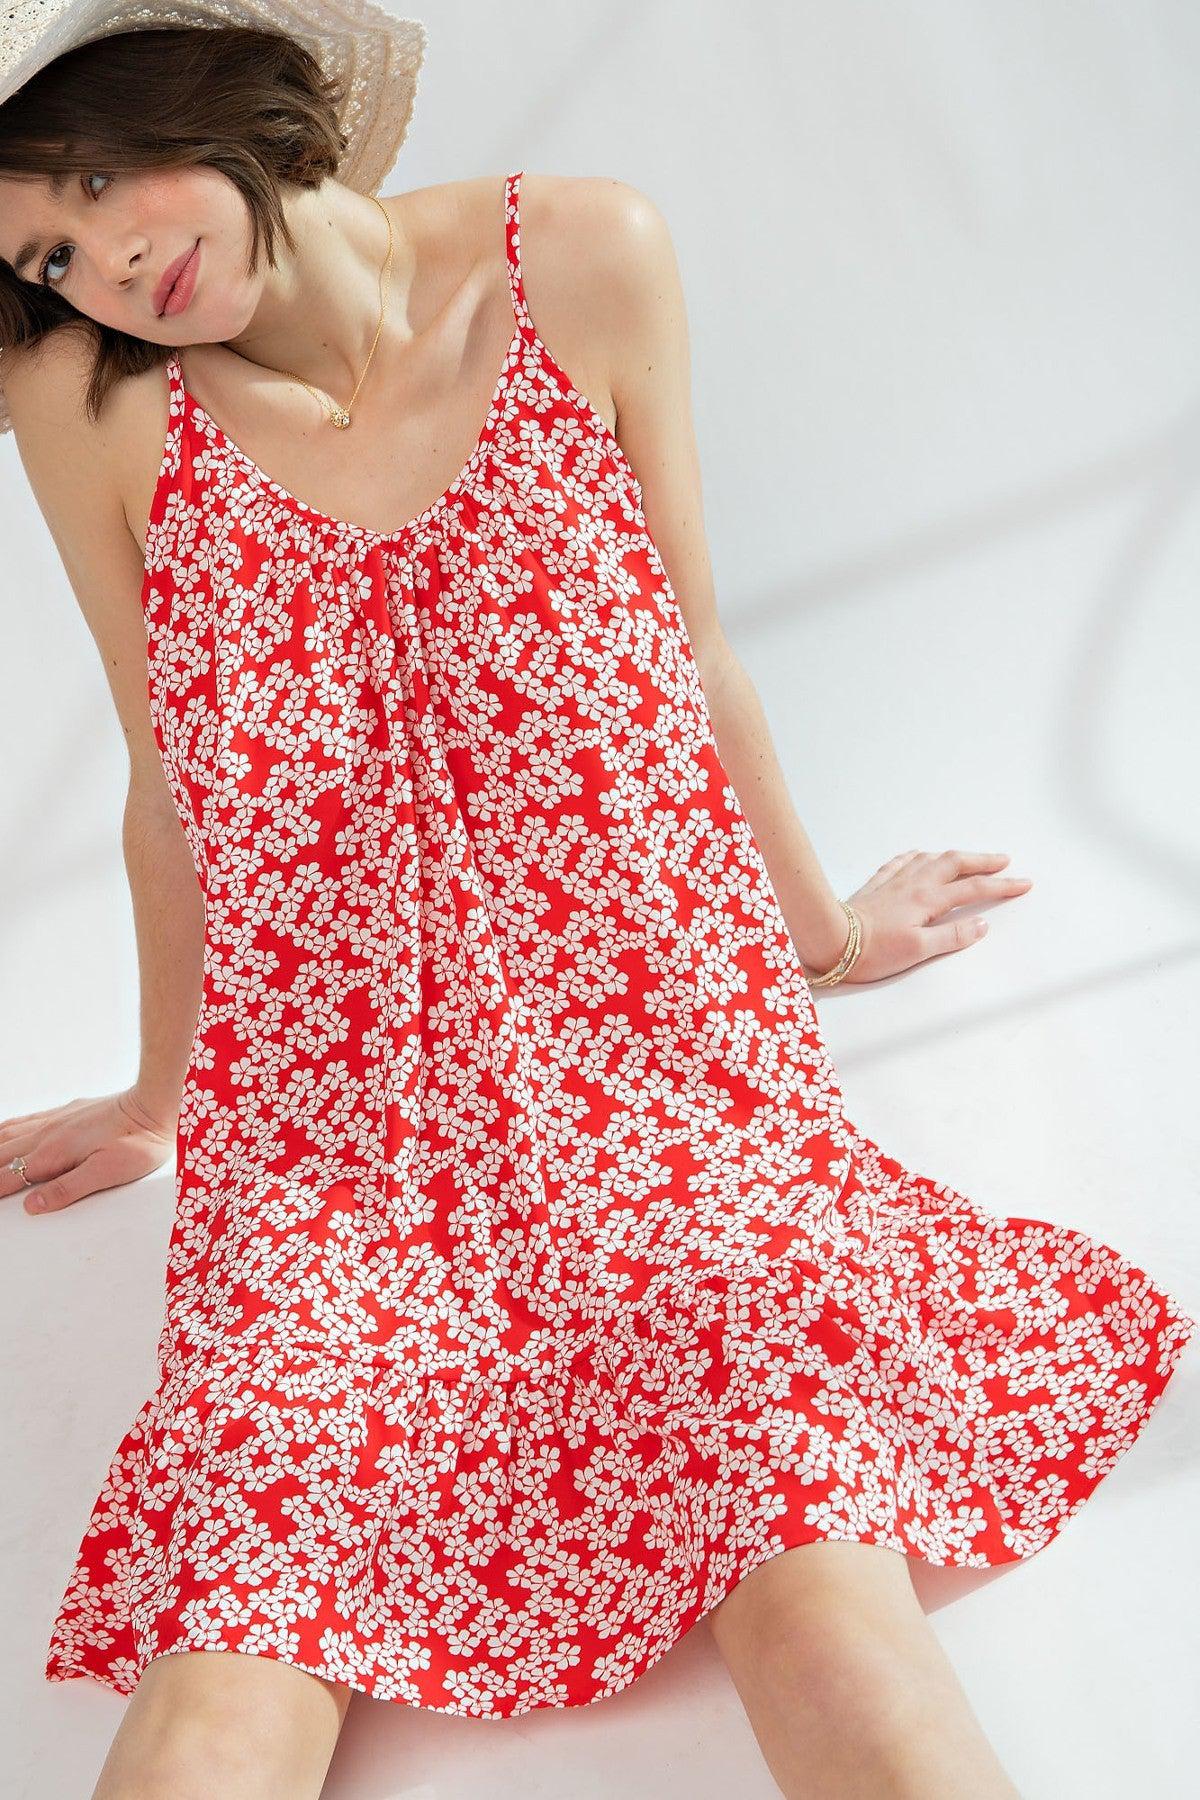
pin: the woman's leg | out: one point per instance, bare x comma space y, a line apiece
207, 1722
846, 1687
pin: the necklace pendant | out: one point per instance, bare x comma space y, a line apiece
340, 417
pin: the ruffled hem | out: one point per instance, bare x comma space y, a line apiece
485, 1548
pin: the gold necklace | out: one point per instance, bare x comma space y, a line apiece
340, 415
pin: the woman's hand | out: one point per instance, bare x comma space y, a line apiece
78, 1148
903, 907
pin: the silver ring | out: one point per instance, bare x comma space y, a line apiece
17, 1165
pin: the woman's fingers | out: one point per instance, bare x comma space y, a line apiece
977, 890
103, 1168
955, 934
956, 863
43, 1162
20, 1122
969, 881
886, 870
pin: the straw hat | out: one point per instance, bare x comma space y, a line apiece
375, 55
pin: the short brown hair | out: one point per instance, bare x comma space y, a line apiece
254, 104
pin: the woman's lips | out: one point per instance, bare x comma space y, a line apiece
185, 283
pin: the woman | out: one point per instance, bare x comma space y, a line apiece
530, 1293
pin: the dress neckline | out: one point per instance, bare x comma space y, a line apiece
190, 407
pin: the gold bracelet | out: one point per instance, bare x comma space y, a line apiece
849, 956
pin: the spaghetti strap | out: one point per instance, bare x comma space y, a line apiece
512, 235
175, 388
176, 408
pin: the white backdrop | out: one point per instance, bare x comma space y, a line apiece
941, 260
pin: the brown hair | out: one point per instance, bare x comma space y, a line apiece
254, 104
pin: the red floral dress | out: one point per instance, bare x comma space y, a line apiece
528, 1283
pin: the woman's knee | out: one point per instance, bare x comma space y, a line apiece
247, 1728
823, 1624
195, 1757
816, 1579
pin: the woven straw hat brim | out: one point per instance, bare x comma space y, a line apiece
376, 56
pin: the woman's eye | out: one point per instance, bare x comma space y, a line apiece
51, 254
44, 270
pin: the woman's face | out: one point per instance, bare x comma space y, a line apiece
107, 243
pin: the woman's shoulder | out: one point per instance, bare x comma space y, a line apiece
578, 235
576, 215
43, 377
80, 465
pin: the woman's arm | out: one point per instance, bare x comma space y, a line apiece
168, 915
809, 905
71, 464
617, 240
